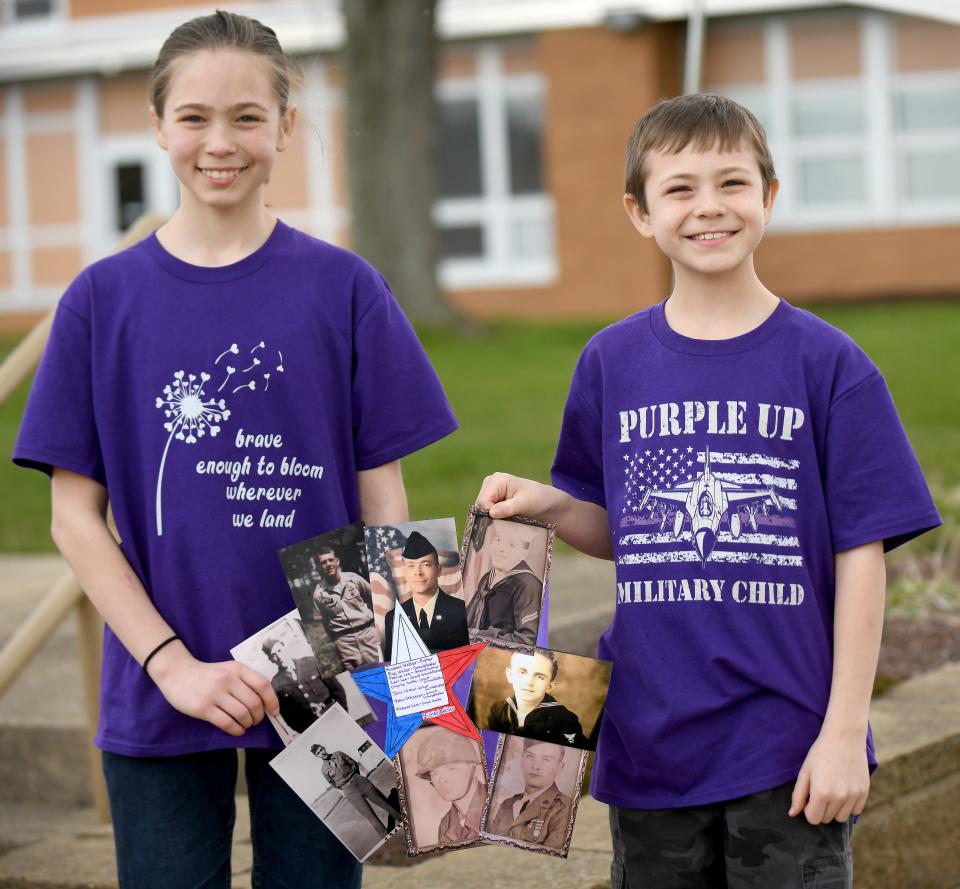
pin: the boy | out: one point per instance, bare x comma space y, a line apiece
532, 712
743, 463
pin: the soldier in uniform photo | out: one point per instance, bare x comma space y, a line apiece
532, 711
303, 693
539, 813
451, 764
344, 603
506, 605
343, 772
439, 618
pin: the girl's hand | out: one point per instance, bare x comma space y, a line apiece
227, 694
834, 780
503, 495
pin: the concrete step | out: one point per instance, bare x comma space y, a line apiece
50, 850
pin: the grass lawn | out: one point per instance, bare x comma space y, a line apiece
508, 386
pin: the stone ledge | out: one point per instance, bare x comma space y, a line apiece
908, 836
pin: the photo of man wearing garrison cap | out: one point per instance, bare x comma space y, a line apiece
439, 618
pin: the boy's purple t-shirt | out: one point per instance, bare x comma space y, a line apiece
732, 471
227, 410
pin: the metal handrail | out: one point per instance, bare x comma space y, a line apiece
65, 593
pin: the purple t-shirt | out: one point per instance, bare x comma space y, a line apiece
731, 471
227, 411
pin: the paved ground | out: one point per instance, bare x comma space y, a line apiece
60, 846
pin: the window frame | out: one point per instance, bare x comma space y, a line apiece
496, 210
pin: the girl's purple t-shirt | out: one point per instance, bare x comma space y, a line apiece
732, 471
227, 410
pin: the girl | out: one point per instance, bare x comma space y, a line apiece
235, 386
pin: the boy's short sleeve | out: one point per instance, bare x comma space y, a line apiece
398, 402
578, 464
874, 486
59, 426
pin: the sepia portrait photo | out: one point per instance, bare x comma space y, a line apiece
417, 564
535, 788
443, 786
330, 584
345, 779
548, 695
505, 564
281, 653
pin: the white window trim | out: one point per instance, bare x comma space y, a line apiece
160, 185
880, 145
497, 208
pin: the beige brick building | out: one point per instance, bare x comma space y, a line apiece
861, 105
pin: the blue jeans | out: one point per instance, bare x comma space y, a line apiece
173, 822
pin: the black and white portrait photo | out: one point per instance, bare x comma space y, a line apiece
345, 779
417, 564
443, 786
549, 695
282, 654
505, 565
535, 788
330, 584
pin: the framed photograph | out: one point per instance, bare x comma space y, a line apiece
442, 778
281, 652
534, 792
346, 780
330, 584
505, 564
544, 694
417, 564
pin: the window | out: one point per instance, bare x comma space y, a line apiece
459, 127
130, 193
927, 143
871, 149
29, 11
495, 220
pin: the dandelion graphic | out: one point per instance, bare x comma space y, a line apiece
189, 417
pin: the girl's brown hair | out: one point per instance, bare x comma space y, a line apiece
222, 30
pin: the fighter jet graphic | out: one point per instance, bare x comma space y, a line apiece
706, 502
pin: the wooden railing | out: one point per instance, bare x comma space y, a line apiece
65, 594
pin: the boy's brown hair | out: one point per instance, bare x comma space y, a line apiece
701, 120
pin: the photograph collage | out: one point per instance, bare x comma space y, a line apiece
368, 599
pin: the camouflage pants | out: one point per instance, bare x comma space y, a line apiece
750, 841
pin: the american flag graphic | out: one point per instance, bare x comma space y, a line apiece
385, 545
767, 533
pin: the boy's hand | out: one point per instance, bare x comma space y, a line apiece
227, 694
580, 523
503, 495
834, 780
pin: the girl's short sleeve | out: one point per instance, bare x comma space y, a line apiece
59, 426
578, 464
875, 488
399, 405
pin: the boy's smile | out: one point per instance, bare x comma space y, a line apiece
705, 209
